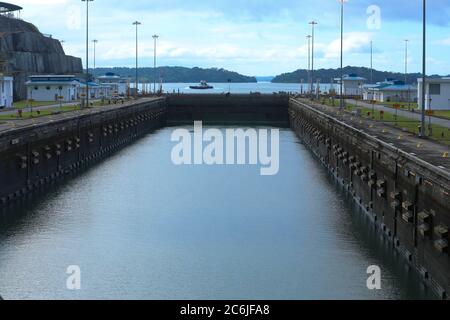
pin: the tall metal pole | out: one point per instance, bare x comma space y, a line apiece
313, 24
309, 62
136, 23
406, 60
342, 56
424, 62
95, 44
371, 62
87, 51
155, 38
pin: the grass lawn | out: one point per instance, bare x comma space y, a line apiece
37, 114
443, 113
24, 103
441, 134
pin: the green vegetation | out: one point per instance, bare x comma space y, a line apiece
24, 104
443, 113
50, 111
403, 105
439, 133
178, 74
39, 113
327, 74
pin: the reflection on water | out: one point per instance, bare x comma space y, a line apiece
141, 228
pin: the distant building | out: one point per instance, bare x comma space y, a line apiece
437, 94
51, 87
390, 91
352, 85
6, 91
120, 86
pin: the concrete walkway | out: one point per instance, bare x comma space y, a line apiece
402, 113
428, 150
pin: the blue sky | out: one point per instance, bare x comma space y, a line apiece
254, 37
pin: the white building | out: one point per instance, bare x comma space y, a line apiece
390, 91
352, 85
120, 86
51, 87
437, 94
6, 91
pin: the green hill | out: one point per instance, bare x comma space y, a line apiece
325, 75
177, 74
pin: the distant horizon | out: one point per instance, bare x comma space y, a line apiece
262, 76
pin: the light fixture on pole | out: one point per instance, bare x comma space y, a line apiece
341, 106
155, 39
313, 24
87, 50
95, 45
136, 23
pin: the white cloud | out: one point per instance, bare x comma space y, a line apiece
353, 42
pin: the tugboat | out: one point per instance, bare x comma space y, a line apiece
203, 86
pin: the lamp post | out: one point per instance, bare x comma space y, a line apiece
424, 65
406, 72
309, 62
137, 24
87, 50
341, 106
155, 39
371, 62
95, 45
313, 24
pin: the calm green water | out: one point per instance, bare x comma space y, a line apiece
141, 228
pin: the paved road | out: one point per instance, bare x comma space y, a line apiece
402, 113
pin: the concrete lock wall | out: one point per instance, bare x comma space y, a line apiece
39, 155
235, 109
405, 197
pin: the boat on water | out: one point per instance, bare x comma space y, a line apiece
203, 86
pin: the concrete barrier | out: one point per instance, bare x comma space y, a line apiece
35, 156
407, 198
235, 109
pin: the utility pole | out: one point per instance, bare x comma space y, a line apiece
309, 62
424, 68
313, 24
137, 24
95, 44
341, 106
371, 62
87, 50
155, 38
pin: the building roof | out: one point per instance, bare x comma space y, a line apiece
435, 80
50, 83
392, 86
351, 77
8, 7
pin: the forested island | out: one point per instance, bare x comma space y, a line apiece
177, 74
325, 75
